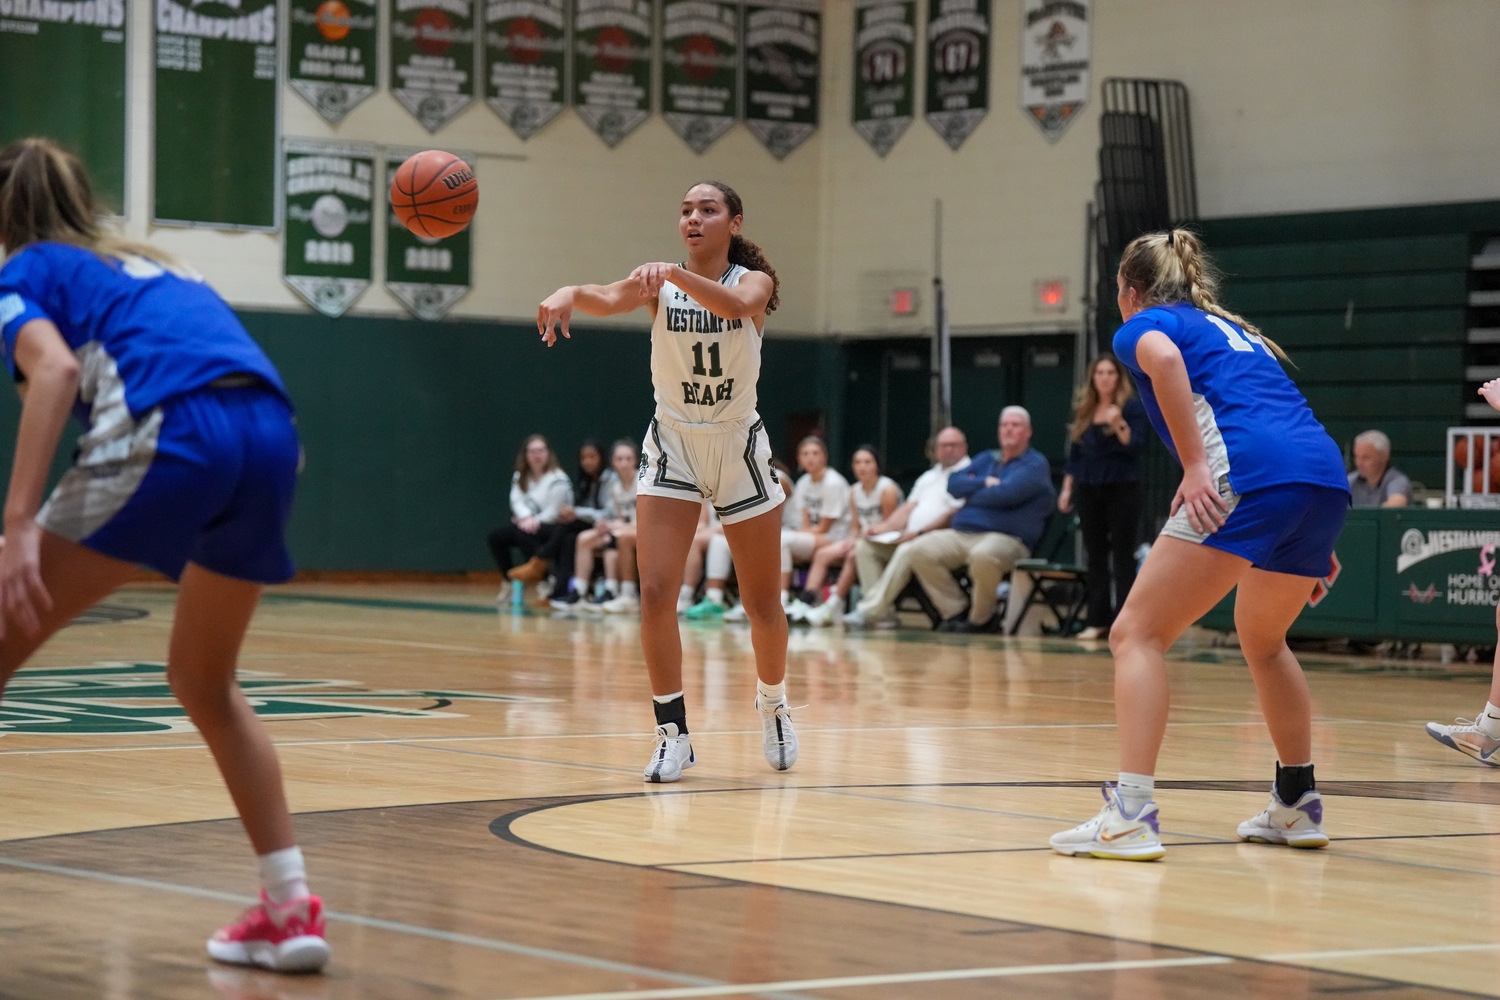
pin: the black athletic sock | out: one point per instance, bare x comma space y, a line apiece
674, 711
1293, 782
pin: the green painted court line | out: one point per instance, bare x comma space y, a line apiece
378, 602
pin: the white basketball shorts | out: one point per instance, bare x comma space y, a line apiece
730, 467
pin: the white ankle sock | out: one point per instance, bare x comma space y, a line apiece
1489, 722
1135, 791
283, 875
771, 694
662, 699
686, 593
579, 585
612, 588
627, 589
715, 594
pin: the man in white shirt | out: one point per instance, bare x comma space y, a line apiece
883, 554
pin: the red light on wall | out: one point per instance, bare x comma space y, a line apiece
903, 301
1052, 295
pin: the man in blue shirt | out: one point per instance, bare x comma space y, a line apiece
1008, 497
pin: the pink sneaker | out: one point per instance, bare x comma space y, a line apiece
280, 938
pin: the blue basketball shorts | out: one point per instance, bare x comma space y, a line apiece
206, 477
1290, 528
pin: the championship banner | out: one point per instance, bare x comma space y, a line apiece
525, 62
332, 62
62, 74
700, 72
215, 125
783, 49
432, 58
612, 65
958, 67
885, 71
327, 245
428, 276
1055, 48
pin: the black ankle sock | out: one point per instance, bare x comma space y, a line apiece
1293, 782
809, 598
673, 711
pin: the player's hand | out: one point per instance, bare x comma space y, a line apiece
1206, 510
990, 481
22, 594
1491, 392
554, 315
1110, 414
1065, 501
530, 525
650, 277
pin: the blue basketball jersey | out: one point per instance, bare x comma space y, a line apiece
1257, 428
135, 326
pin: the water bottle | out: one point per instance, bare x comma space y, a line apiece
517, 597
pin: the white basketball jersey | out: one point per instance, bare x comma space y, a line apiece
867, 505
704, 367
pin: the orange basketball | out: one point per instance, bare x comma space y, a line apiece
434, 194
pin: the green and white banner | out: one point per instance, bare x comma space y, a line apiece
332, 62
428, 276
526, 62
885, 70
1055, 47
783, 52
432, 58
215, 128
62, 75
958, 67
327, 250
612, 65
700, 72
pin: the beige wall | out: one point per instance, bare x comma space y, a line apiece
1297, 105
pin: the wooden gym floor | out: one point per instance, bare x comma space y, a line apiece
469, 797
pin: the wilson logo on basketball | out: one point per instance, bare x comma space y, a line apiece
457, 179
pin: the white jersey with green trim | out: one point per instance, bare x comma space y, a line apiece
703, 367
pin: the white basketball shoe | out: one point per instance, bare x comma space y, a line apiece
1114, 834
672, 755
1296, 825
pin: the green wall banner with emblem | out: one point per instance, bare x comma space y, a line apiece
958, 67
62, 75
700, 71
612, 65
327, 250
885, 71
526, 62
428, 276
1055, 47
432, 58
783, 53
215, 68
332, 59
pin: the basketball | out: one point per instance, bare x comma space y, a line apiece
434, 194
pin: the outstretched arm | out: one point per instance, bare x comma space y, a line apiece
556, 311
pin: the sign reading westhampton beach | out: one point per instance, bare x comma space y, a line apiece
783, 50
428, 276
525, 61
215, 125
62, 75
432, 58
332, 62
700, 72
612, 65
958, 67
1054, 62
327, 250
885, 74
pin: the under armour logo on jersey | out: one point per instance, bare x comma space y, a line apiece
679, 296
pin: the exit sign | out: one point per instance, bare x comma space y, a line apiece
903, 301
1051, 295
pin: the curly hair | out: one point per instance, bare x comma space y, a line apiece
1172, 266
744, 252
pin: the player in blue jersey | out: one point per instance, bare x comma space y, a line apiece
187, 465
1262, 501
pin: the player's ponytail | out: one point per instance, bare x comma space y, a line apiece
1173, 267
46, 196
744, 252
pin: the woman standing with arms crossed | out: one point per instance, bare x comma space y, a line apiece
1103, 481
1262, 501
188, 466
705, 441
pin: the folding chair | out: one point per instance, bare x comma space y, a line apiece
1056, 580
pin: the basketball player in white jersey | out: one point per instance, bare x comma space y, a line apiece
705, 442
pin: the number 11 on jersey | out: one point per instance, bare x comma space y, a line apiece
713, 357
